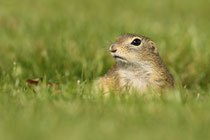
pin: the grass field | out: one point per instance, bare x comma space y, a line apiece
67, 42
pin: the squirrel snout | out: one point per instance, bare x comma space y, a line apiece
113, 49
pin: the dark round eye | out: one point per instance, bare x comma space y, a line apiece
136, 42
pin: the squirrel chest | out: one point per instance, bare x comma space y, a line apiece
135, 76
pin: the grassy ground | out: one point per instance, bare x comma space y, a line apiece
67, 42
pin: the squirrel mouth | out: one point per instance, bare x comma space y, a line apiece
119, 58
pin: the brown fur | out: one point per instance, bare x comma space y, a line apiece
137, 67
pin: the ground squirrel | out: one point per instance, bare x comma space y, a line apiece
138, 65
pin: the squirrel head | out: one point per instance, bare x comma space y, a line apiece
132, 48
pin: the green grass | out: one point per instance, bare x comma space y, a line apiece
67, 42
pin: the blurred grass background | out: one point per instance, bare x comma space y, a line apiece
67, 42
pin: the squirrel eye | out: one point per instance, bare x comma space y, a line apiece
136, 42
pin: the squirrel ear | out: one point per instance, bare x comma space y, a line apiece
153, 47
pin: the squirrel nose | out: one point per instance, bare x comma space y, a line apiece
113, 49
